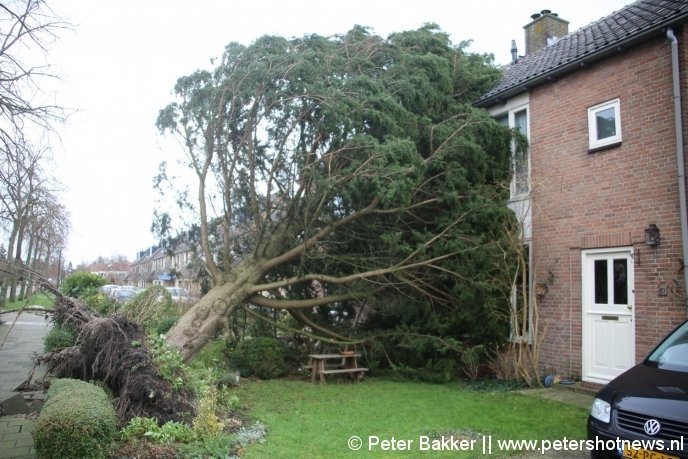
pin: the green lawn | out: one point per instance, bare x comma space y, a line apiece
312, 421
37, 299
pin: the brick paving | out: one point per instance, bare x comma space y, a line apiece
15, 437
20, 338
18, 347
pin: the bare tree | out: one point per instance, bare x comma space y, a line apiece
23, 187
27, 115
26, 28
48, 231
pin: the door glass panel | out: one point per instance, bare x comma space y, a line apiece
620, 281
601, 285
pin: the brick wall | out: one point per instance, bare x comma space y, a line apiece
585, 200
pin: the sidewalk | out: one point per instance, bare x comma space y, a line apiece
16, 352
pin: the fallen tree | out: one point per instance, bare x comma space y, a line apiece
340, 170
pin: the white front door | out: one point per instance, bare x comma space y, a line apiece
608, 325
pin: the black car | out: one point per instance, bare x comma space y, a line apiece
643, 413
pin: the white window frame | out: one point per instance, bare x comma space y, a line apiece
593, 142
518, 203
509, 111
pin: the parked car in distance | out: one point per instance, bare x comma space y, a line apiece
123, 294
108, 289
180, 295
643, 413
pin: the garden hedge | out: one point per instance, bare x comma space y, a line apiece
77, 421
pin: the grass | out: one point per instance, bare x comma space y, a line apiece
37, 299
309, 420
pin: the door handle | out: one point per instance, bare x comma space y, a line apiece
630, 306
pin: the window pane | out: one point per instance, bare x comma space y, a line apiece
521, 155
620, 281
521, 122
601, 289
606, 123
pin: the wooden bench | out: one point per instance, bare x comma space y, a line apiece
347, 364
357, 372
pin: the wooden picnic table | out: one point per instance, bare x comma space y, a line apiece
327, 364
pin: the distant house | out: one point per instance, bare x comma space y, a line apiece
601, 191
141, 272
166, 267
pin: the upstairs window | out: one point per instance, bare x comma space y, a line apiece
604, 124
520, 156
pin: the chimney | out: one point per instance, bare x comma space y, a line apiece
514, 52
544, 29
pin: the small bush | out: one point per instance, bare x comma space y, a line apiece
253, 434
77, 421
471, 359
207, 424
218, 446
60, 336
163, 325
440, 371
100, 303
169, 361
137, 428
148, 429
262, 357
81, 283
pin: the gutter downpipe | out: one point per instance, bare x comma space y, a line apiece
679, 152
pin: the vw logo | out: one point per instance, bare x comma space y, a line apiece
652, 427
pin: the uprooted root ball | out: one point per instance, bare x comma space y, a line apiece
112, 350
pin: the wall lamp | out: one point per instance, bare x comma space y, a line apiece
652, 235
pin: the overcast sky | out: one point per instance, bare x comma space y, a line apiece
120, 62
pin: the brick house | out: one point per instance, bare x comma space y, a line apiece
601, 176
165, 267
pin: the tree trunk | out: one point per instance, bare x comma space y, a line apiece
18, 263
28, 275
9, 278
200, 324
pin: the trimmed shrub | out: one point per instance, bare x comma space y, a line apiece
262, 357
60, 336
77, 421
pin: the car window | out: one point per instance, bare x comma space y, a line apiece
672, 354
